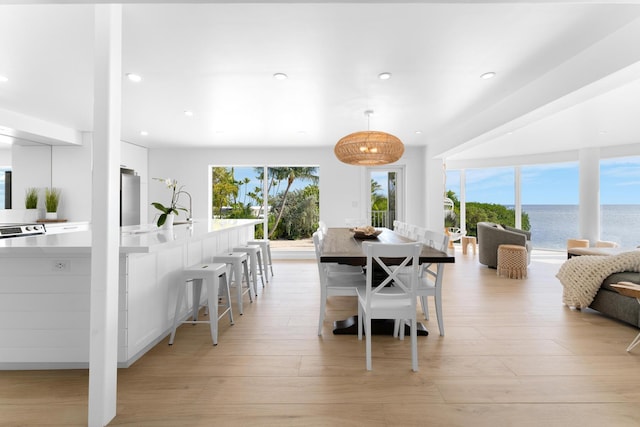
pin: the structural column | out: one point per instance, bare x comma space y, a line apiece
589, 189
434, 191
103, 349
463, 200
517, 191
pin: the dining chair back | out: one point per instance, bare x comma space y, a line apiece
334, 282
390, 293
430, 283
402, 228
434, 239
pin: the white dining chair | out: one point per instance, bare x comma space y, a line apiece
333, 283
430, 280
392, 298
333, 267
402, 229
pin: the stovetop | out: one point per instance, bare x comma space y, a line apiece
20, 230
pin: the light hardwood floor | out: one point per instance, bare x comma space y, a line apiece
513, 355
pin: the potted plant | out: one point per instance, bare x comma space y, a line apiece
168, 213
31, 204
51, 200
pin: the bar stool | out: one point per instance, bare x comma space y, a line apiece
236, 262
215, 276
255, 263
266, 255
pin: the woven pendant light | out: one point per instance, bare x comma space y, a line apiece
369, 147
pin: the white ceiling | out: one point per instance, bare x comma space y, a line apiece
566, 73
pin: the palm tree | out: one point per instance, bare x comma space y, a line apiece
245, 182
378, 200
379, 203
224, 188
290, 174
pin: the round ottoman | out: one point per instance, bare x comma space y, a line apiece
512, 261
577, 243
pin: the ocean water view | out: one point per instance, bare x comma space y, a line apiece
552, 225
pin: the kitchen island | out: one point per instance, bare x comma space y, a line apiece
45, 287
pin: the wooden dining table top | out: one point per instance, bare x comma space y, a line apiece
339, 245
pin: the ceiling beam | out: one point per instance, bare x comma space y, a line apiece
608, 64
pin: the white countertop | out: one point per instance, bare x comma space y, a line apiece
133, 239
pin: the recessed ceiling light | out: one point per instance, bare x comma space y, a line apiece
488, 75
418, 132
384, 76
188, 113
280, 76
144, 133
134, 77
3, 79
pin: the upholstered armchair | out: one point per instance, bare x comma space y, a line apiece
491, 235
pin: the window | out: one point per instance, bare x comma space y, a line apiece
5, 190
550, 200
385, 196
454, 193
292, 205
620, 201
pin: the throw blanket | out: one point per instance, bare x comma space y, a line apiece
582, 276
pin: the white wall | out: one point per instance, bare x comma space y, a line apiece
341, 185
64, 167
69, 168
31, 167
71, 172
5, 156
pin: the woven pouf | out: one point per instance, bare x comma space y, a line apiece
512, 261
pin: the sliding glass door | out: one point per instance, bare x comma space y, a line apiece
291, 209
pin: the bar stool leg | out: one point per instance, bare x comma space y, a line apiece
236, 275
269, 254
212, 302
176, 321
222, 281
254, 271
255, 282
265, 257
196, 292
262, 272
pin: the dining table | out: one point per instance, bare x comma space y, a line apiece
340, 245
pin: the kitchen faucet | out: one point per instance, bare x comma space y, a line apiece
190, 216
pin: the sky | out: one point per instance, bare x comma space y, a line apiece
554, 184
241, 172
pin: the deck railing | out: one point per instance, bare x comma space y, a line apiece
381, 219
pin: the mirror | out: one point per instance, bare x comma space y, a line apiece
23, 164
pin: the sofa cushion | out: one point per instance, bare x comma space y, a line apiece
625, 276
